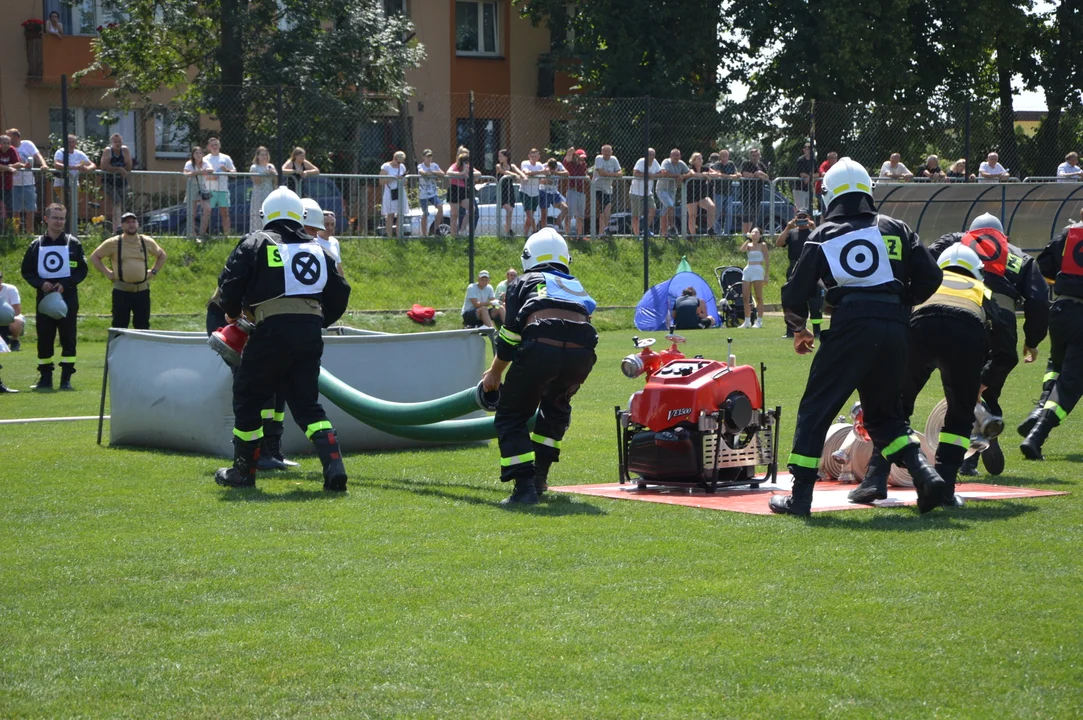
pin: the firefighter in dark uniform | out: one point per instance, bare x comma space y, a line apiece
874, 268
54, 262
1061, 262
793, 238
950, 332
549, 342
286, 278
1015, 282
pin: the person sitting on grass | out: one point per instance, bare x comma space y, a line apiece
481, 306
690, 312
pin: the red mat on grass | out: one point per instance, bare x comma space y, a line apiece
828, 495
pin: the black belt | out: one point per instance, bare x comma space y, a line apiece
877, 297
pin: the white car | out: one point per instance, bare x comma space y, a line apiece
490, 215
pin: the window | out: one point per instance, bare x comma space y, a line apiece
88, 15
487, 140
171, 135
394, 7
93, 126
475, 28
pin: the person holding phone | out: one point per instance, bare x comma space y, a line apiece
793, 238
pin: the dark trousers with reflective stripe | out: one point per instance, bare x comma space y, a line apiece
542, 379
131, 306
48, 328
956, 346
867, 355
1003, 357
1066, 353
283, 354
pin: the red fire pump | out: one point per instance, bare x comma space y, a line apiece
697, 423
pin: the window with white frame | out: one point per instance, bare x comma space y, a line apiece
476, 28
95, 125
88, 15
171, 136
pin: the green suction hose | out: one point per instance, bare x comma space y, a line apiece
374, 411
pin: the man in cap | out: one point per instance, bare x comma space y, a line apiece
481, 306
128, 254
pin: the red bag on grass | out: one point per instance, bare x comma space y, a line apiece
422, 315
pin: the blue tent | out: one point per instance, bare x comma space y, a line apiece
655, 307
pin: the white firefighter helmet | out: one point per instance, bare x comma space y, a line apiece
846, 176
54, 306
546, 246
282, 204
314, 216
987, 220
962, 257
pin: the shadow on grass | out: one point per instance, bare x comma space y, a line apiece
556, 504
257, 495
1073, 457
939, 519
1017, 481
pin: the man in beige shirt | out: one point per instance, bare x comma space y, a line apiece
128, 255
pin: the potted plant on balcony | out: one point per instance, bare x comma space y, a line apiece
33, 28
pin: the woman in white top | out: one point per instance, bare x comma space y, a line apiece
53, 26
392, 187
755, 275
264, 179
195, 170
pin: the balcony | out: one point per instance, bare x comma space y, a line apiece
48, 57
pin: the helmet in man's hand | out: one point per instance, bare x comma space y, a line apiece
282, 204
54, 306
546, 247
846, 176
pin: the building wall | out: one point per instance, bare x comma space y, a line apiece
429, 106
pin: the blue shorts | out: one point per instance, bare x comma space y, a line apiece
550, 199
24, 198
426, 202
665, 197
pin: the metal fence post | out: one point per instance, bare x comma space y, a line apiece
966, 142
648, 198
470, 189
278, 134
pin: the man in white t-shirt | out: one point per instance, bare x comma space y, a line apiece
606, 167
77, 161
1069, 170
530, 189
24, 194
329, 242
429, 192
481, 306
218, 184
639, 195
895, 170
11, 333
991, 170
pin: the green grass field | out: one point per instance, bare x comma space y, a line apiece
135, 587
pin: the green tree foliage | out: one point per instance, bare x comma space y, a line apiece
341, 61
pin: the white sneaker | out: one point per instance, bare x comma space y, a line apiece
758, 324
745, 324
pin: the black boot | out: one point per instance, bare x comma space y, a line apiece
334, 471
949, 472
874, 486
66, 371
993, 458
1032, 445
5, 389
1029, 421
243, 472
45, 381
969, 468
930, 486
524, 493
270, 453
541, 480
798, 502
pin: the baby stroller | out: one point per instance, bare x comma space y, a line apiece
731, 306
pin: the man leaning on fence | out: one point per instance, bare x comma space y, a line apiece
128, 254
24, 190
606, 167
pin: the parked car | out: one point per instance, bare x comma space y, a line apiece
490, 215
173, 220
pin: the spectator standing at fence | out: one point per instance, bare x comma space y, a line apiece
957, 173
827, 164
642, 191
457, 195
671, 179
393, 196
53, 26
1069, 170
198, 172
116, 165
24, 190
298, 169
931, 170
218, 182
550, 192
507, 177
9, 167
805, 169
754, 175
128, 254
722, 189
575, 162
991, 170
699, 195
894, 169
264, 181
429, 192
606, 167
78, 162
532, 170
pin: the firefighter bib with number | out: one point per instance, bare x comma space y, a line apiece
859, 258
54, 262
304, 266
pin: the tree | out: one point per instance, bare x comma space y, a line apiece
341, 61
